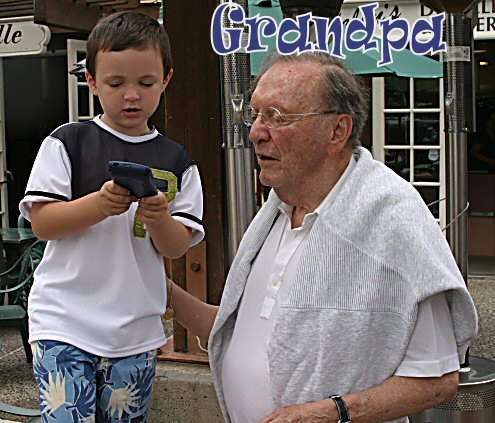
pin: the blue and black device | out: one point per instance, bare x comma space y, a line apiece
137, 178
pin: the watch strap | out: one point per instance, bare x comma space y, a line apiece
341, 408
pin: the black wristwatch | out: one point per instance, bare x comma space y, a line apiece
341, 408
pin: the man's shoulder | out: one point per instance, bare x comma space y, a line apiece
372, 185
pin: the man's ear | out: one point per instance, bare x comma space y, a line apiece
168, 78
91, 83
342, 130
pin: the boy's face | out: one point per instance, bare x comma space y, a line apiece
129, 84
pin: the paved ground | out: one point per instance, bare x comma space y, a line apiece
17, 384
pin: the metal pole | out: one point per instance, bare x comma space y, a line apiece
458, 83
239, 158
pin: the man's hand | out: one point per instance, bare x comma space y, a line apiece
153, 209
314, 412
113, 199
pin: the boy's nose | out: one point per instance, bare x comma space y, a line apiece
131, 94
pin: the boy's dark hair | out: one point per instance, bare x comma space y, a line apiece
124, 30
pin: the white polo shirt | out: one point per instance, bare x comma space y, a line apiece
245, 370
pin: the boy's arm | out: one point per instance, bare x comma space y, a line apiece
170, 237
57, 219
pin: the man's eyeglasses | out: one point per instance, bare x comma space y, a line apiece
274, 118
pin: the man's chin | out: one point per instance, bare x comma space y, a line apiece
266, 181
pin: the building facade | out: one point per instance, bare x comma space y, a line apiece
41, 41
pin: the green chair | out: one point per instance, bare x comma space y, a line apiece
16, 282
22, 222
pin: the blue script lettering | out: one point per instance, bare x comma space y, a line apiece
357, 26
433, 45
235, 15
293, 36
323, 35
265, 25
388, 26
300, 29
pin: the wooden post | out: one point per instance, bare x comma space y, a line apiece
196, 284
194, 119
178, 275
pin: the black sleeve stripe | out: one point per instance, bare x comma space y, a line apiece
192, 164
47, 194
188, 216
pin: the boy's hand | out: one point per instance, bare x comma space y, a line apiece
114, 199
153, 209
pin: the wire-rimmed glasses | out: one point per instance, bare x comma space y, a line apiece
273, 118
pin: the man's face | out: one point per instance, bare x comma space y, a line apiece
293, 153
129, 84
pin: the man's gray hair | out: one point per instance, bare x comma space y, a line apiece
341, 90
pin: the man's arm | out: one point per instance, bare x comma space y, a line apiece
396, 397
57, 219
195, 315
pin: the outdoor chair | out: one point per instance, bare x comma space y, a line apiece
16, 283
20, 411
10, 277
22, 222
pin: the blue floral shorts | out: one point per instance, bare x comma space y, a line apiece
76, 386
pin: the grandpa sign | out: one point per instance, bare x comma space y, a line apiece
229, 26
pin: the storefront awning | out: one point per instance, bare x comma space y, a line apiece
406, 63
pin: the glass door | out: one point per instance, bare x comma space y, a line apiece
408, 135
81, 99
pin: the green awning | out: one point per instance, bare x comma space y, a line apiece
405, 62
259, 6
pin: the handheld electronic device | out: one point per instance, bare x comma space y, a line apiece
137, 178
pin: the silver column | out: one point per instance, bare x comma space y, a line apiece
239, 157
459, 119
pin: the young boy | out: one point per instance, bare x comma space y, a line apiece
96, 305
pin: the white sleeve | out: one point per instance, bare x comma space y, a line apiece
187, 207
432, 349
50, 178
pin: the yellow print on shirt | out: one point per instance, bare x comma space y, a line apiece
166, 182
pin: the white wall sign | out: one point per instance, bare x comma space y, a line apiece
413, 10
21, 36
485, 29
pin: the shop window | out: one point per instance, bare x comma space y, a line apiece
408, 134
426, 93
397, 94
397, 129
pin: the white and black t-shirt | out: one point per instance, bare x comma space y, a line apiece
103, 289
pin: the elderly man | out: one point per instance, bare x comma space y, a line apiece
344, 302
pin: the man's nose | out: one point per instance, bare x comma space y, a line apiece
259, 131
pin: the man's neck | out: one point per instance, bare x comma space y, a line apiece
312, 193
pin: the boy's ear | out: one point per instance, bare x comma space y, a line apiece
92, 83
168, 78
